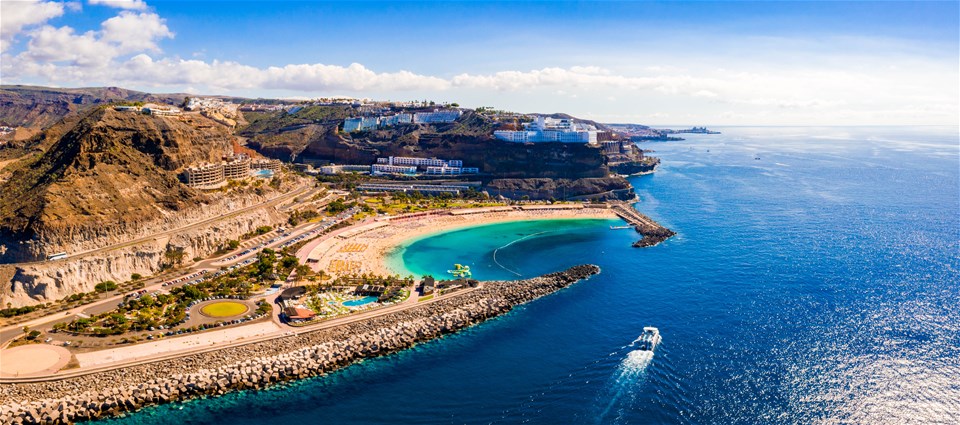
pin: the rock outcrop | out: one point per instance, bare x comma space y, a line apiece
108, 175
39, 107
31, 283
607, 188
311, 135
262, 364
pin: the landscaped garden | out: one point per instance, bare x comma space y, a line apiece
161, 310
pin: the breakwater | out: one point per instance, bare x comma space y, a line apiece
652, 232
259, 365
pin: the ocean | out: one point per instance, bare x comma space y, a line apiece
813, 279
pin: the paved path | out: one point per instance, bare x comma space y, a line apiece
33, 359
154, 284
143, 358
273, 201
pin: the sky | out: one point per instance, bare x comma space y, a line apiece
657, 63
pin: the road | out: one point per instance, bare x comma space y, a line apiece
412, 302
270, 240
273, 201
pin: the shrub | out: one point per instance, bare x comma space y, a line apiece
105, 286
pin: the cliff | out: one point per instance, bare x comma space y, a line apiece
40, 107
608, 188
31, 283
103, 176
310, 135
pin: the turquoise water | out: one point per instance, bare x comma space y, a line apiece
361, 301
499, 251
263, 173
817, 284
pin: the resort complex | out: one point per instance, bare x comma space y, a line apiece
368, 123
214, 175
545, 129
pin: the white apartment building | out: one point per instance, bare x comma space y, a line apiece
451, 171
237, 167
204, 175
352, 124
392, 169
337, 169
543, 129
168, 111
437, 116
418, 162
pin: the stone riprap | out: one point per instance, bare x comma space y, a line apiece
261, 364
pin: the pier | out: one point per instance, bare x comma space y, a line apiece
652, 232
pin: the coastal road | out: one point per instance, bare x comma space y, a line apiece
286, 332
156, 284
303, 189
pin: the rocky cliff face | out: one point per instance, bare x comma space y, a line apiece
32, 283
608, 188
40, 107
470, 139
111, 175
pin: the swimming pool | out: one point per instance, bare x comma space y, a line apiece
361, 301
263, 173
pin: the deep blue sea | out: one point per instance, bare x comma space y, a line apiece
815, 278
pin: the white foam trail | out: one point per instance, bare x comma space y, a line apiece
631, 373
511, 243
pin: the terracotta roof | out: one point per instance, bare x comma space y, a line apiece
298, 313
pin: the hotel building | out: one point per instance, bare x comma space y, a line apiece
204, 176
437, 116
451, 171
392, 169
237, 167
543, 129
420, 162
266, 164
168, 112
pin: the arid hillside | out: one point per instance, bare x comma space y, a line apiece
101, 173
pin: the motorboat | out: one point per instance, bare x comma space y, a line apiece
649, 339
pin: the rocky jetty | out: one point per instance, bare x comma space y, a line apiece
652, 232
652, 235
262, 364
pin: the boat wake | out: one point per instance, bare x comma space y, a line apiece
511, 243
629, 376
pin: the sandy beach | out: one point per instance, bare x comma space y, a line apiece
366, 247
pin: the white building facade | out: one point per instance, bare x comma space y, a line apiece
543, 129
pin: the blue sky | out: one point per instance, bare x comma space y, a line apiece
794, 63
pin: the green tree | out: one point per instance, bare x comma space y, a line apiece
105, 286
289, 262
136, 276
303, 270
174, 255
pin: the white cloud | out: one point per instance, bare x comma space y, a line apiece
135, 32
49, 44
585, 79
813, 87
122, 4
355, 77
126, 33
17, 15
